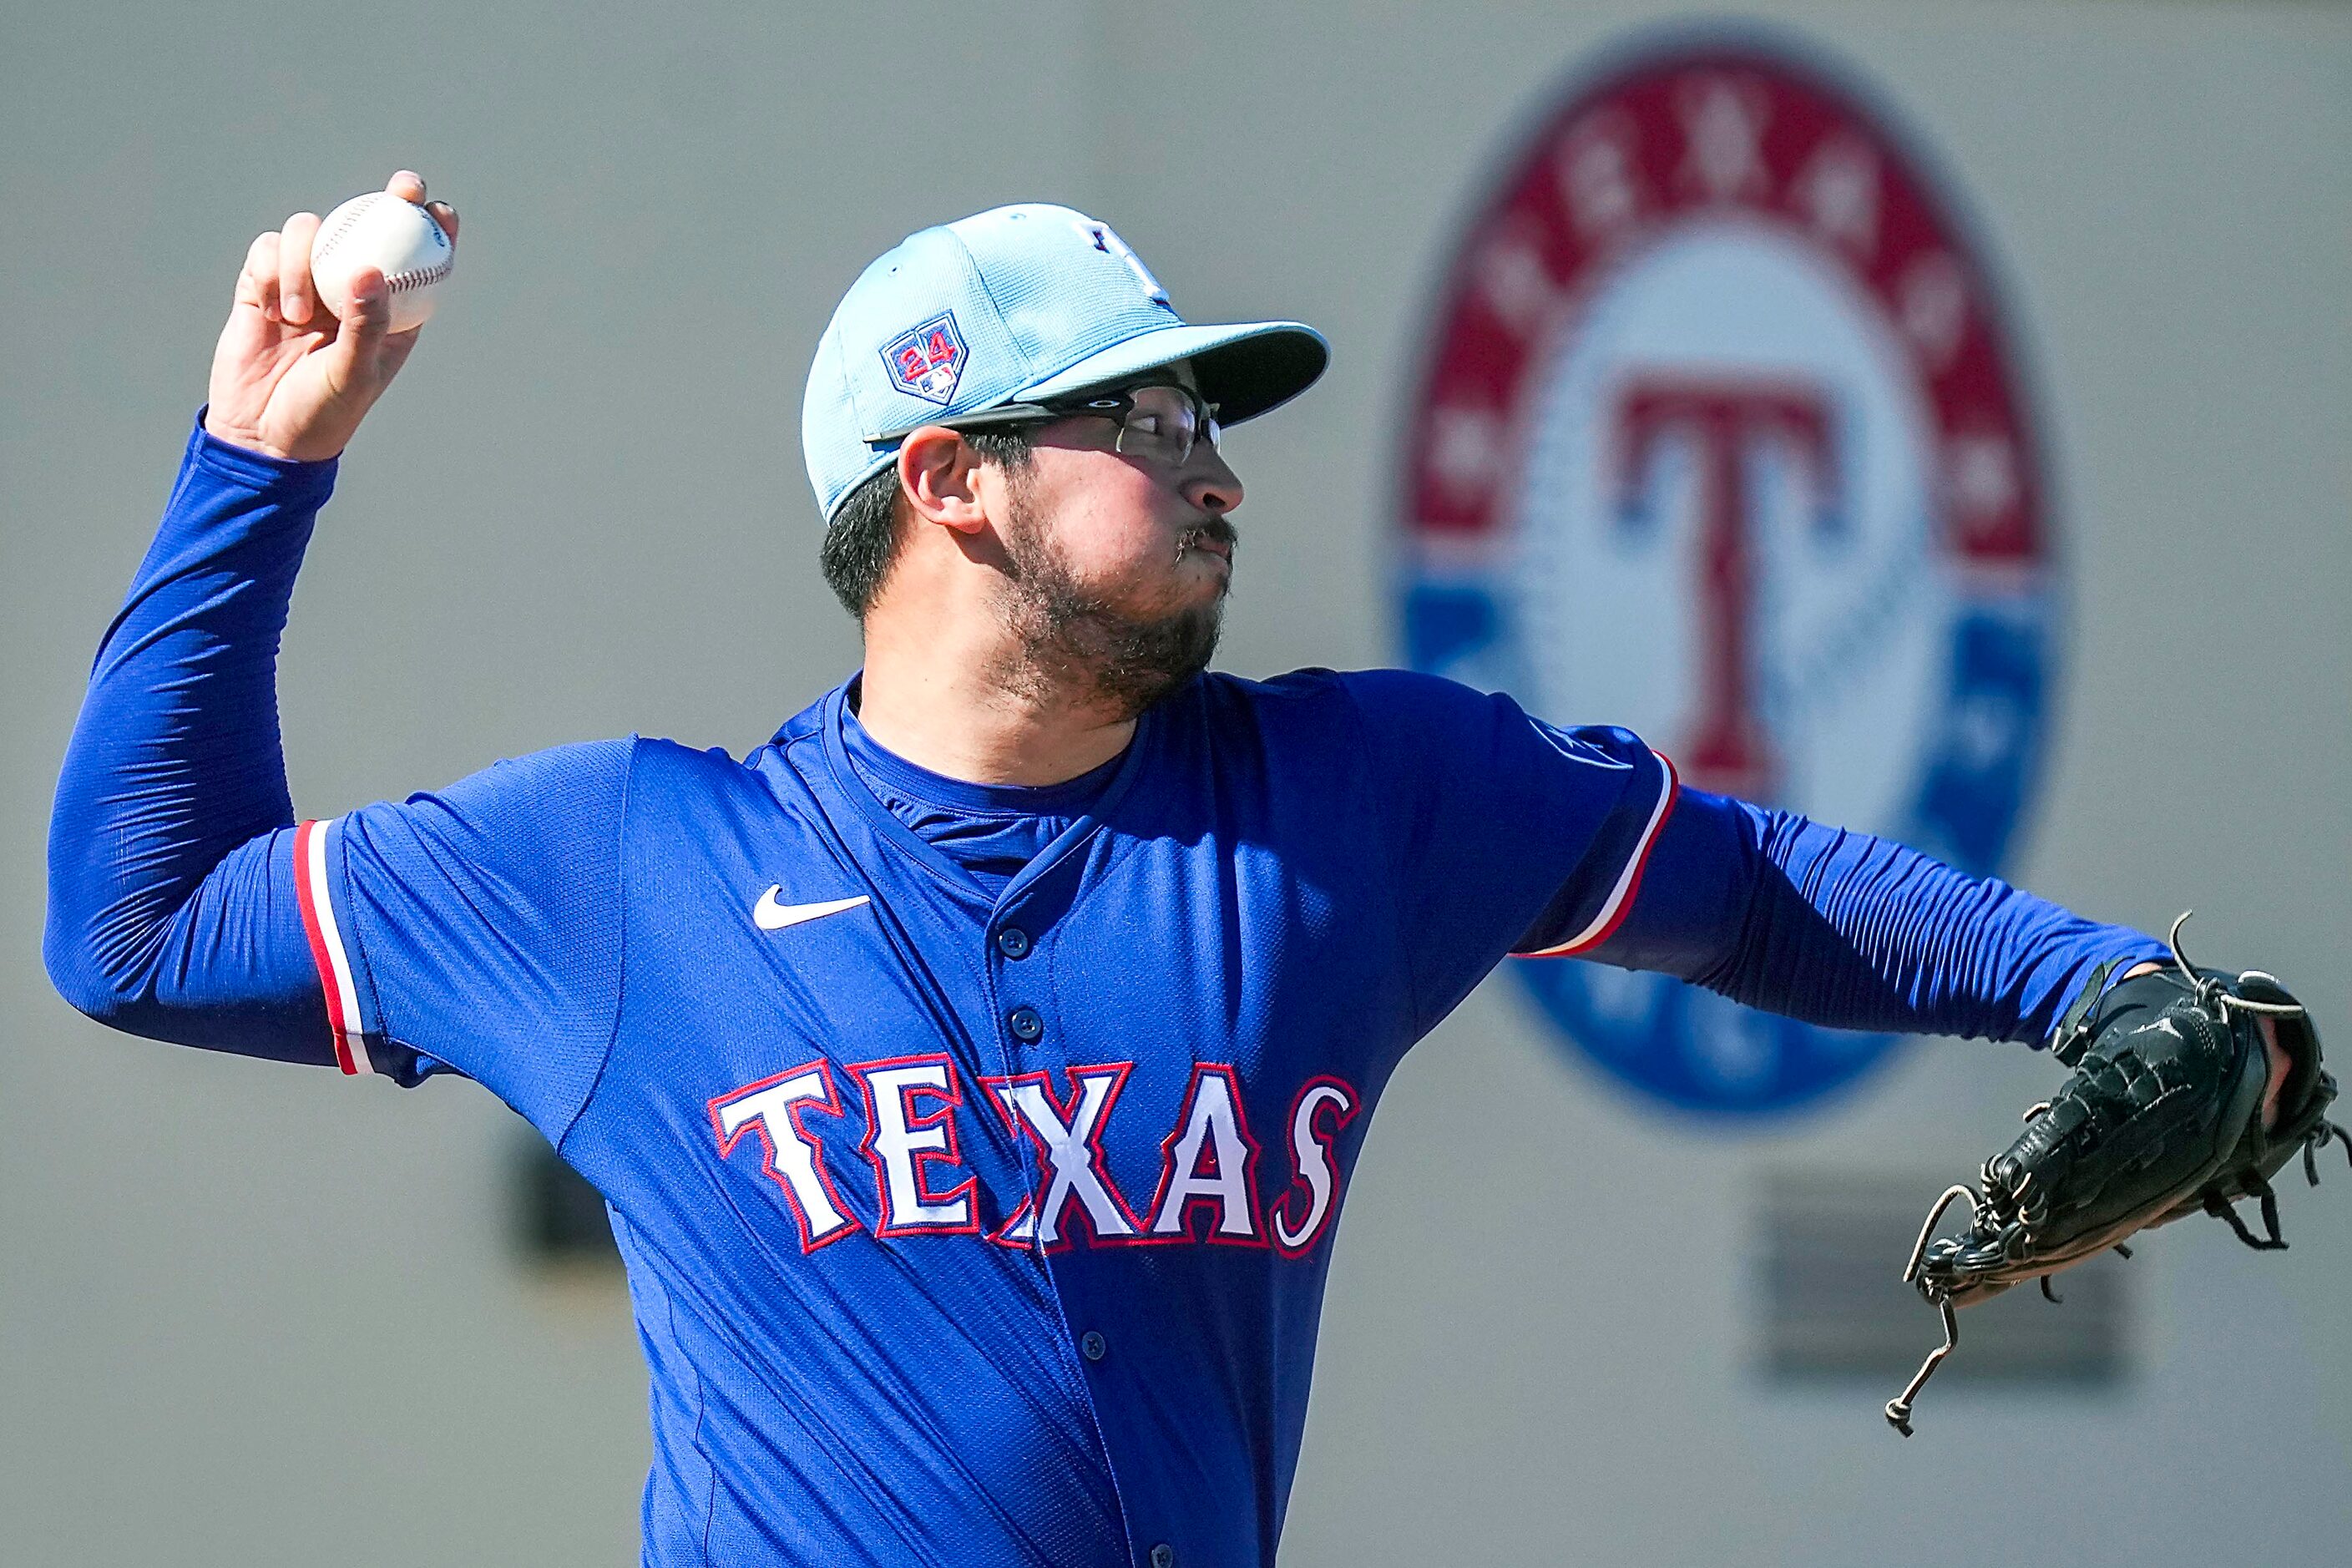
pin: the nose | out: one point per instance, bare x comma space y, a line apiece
1211, 485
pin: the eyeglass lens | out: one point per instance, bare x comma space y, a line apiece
1164, 424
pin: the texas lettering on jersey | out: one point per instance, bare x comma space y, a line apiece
1209, 1190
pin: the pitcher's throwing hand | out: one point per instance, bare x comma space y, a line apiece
289, 379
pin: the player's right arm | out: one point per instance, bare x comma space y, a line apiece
185, 901
163, 917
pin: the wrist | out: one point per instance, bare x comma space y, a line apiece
250, 440
243, 437
255, 464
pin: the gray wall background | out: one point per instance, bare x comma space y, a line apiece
255, 1315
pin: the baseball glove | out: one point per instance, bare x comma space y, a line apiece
2163, 1117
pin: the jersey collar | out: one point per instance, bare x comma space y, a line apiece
847, 785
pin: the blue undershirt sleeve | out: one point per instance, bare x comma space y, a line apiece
477, 928
172, 912
1852, 932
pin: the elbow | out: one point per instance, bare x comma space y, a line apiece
103, 955
79, 973
160, 980
83, 939
161, 953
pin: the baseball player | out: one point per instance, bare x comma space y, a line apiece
974, 1069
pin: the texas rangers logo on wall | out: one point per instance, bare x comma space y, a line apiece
1720, 435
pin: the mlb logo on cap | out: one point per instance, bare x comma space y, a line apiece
929, 360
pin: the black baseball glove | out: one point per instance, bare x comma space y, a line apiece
2163, 1117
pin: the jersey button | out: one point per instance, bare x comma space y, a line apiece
1163, 1557
1092, 1345
1027, 1022
1012, 942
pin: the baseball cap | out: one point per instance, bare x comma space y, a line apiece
1014, 305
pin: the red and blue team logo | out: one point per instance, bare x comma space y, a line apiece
1721, 437
927, 360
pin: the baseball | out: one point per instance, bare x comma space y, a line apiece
399, 239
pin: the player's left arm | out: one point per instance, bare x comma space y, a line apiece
1854, 931
1511, 835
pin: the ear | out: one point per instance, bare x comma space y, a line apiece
936, 471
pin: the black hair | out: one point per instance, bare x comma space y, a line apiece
861, 539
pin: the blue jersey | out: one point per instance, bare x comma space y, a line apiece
976, 1211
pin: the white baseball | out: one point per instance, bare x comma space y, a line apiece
398, 238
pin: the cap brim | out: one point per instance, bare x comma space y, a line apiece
1245, 369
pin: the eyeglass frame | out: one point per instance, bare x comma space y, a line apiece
1115, 406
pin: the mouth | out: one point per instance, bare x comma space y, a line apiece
1215, 538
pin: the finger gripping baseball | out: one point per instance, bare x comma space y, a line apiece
2162, 1118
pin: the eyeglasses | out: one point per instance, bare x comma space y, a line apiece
1160, 422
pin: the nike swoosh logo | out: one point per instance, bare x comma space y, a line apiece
770, 915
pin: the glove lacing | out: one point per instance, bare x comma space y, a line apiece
2217, 998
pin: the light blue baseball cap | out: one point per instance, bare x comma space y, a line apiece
1019, 304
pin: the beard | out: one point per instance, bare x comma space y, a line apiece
1076, 644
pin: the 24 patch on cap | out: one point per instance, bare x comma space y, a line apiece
927, 360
